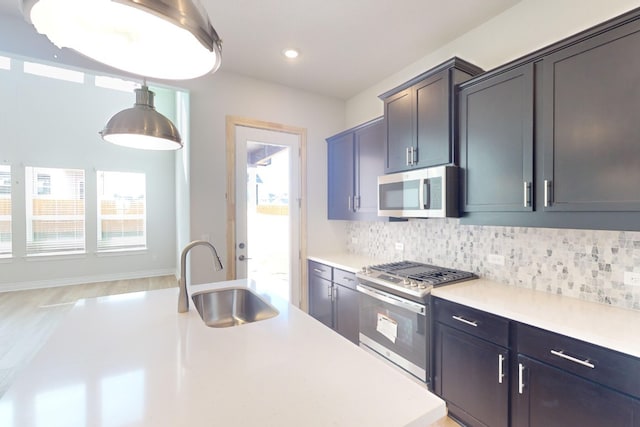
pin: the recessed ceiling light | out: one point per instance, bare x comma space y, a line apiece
291, 53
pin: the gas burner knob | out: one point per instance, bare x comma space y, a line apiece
422, 286
406, 282
414, 284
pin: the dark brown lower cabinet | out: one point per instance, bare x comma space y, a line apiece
347, 317
320, 299
496, 372
471, 377
333, 299
551, 397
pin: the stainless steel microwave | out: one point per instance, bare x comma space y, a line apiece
423, 193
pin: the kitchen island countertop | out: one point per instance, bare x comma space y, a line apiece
132, 360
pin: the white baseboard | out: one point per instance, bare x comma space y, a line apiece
53, 283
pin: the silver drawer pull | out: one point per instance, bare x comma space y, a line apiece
465, 321
560, 353
317, 270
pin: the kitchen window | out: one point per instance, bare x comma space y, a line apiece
55, 210
5, 210
121, 211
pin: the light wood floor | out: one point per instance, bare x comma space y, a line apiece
27, 318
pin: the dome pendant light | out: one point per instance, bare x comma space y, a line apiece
142, 126
164, 39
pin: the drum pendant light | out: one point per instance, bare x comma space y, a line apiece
164, 39
142, 126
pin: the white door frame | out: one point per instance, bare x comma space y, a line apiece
231, 123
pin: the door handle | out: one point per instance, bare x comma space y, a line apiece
243, 258
527, 194
547, 193
520, 378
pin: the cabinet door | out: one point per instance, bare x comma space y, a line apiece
399, 134
433, 142
369, 165
347, 316
590, 106
341, 192
550, 397
471, 375
496, 143
321, 299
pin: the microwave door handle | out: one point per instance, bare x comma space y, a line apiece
426, 194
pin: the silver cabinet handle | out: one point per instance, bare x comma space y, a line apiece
414, 156
520, 378
560, 353
330, 292
407, 156
317, 270
527, 194
547, 192
334, 293
465, 321
356, 204
349, 203
500, 368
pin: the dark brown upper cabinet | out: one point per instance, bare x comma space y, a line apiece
355, 159
496, 142
551, 139
420, 117
591, 124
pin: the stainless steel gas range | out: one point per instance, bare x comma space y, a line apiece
395, 318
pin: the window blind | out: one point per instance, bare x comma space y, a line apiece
5, 210
121, 211
55, 210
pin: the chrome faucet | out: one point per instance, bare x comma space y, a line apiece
183, 298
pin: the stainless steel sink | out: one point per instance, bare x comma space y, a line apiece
231, 307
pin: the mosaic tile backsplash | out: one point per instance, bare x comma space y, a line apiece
585, 264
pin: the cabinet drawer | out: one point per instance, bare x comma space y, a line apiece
344, 278
604, 366
320, 270
475, 322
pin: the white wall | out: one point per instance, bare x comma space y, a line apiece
52, 123
524, 28
221, 94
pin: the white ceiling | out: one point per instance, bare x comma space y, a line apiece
346, 45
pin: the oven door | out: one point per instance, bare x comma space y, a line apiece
395, 328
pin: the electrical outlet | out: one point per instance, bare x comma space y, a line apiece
399, 246
495, 259
631, 278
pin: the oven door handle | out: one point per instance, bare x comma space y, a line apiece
393, 300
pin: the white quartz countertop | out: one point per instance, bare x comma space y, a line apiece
606, 326
132, 360
345, 261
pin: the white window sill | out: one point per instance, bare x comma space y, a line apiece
121, 252
55, 257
